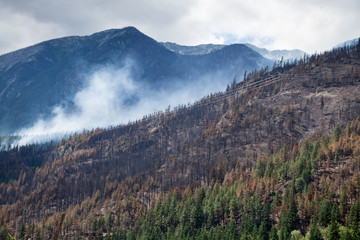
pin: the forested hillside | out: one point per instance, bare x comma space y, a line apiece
310, 190
276, 153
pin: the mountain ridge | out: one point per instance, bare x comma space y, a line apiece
278, 54
34, 80
275, 55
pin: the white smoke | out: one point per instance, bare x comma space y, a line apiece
103, 102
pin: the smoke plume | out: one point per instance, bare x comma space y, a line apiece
112, 97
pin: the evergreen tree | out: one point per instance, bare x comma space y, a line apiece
292, 217
315, 233
185, 218
274, 234
200, 196
233, 208
344, 201
337, 133
172, 213
335, 213
210, 217
353, 219
263, 232
334, 233
202, 234
347, 235
306, 174
285, 234
290, 220
22, 231
197, 216
296, 235
231, 232
108, 221
325, 213
260, 168
266, 216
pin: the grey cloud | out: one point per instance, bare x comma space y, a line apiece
311, 25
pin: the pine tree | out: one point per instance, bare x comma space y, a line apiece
263, 232
337, 133
353, 219
273, 233
315, 233
197, 216
185, 218
200, 196
325, 213
266, 216
290, 220
335, 213
22, 231
210, 217
334, 233
292, 217
231, 232
284, 234
344, 201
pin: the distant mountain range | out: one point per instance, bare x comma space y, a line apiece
193, 50
208, 48
35, 79
348, 43
278, 54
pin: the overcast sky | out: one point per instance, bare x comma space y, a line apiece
309, 25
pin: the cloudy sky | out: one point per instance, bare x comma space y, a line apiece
310, 25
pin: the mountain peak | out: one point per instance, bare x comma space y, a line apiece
58, 69
116, 31
192, 50
127, 32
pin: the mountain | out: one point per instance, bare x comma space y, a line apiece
270, 155
36, 79
274, 55
193, 50
278, 54
348, 43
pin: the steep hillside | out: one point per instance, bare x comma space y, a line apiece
35, 79
123, 170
